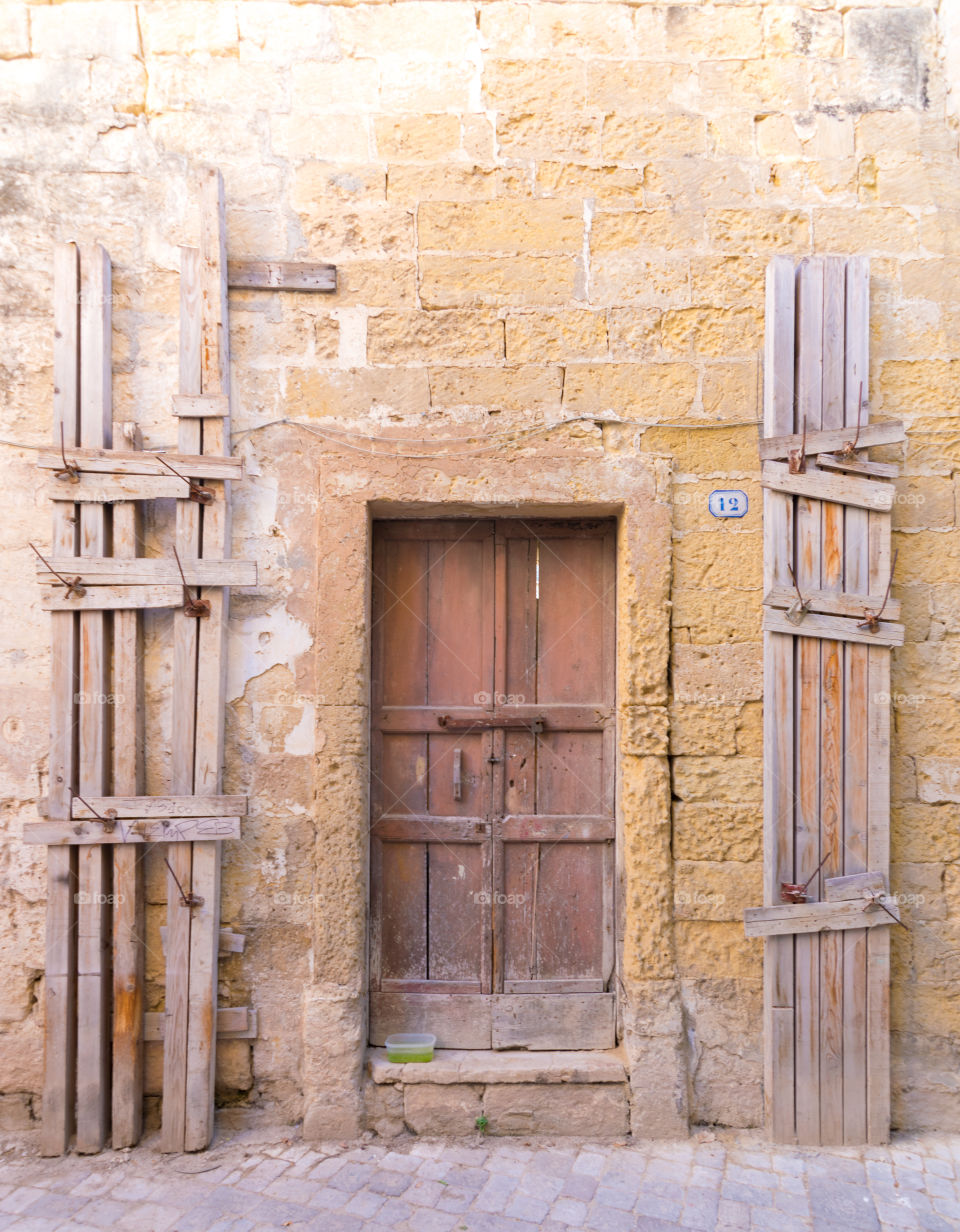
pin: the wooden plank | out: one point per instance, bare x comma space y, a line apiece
282, 275
60, 962
128, 914
180, 855
125, 462
836, 628
94, 915
201, 405
841, 489
783, 444
857, 466
110, 598
778, 714
457, 1021
802, 918
134, 830
153, 571
108, 489
808, 552
233, 1022
161, 806
569, 1021
831, 723
830, 604
230, 942
211, 673
856, 886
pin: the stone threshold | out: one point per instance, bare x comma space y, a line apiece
451, 1065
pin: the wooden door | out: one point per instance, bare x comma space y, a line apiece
492, 858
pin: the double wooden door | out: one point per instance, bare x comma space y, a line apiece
492, 826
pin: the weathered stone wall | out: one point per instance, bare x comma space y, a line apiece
538, 211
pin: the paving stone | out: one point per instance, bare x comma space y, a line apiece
834, 1203
569, 1211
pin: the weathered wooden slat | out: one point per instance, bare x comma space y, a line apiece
854, 885
94, 916
778, 714
836, 628
841, 604
799, 918
233, 1022
127, 462
282, 275
180, 856
110, 598
152, 571
162, 807
456, 1021
841, 489
60, 962
131, 830
201, 406
806, 829
831, 723
857, 466
782, 445
108, 489
128, 913
230, 942
548, 1022
211, 674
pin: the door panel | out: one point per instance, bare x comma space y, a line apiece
492, 778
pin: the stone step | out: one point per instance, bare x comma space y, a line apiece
489, 1067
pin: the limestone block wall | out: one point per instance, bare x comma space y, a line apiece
540, 212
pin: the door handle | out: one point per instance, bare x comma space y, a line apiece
457, 774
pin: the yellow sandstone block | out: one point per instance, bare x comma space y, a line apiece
716, 890
728, 281
615, 233
636, 391
376, 284
717, 559
490, 281
315, 394
625, 87
717, 615
535, 134
501, 226
628, 278
634, 332
751, 231
864, 229
535, 87
609, 186
707, 948
721, 451
653, 136
717, 831
715, 332
409, 184
531, 387
428, 337
415, 139
732, 391
345, 138
556, 336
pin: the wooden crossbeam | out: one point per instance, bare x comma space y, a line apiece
797, 918
233, 1022
230, 942
153, 571
841, 489
856, 885
131, 830
781, 445
164, 807
108, 489
832, 603
282, 275
837, 628
201, 405
856, 466
126, 462
98, 598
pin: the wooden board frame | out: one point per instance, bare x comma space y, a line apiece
826, 729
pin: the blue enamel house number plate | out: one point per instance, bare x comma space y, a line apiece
727, 503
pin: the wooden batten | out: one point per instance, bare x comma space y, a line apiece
122, 462
781, 445
791, 919
282, 275
837, 628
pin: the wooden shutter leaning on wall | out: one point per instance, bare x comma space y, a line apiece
827, 566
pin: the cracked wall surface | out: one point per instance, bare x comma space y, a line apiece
539, 211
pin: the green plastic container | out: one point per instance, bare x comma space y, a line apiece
405, 1048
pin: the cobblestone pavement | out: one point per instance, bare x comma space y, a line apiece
256, 1180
